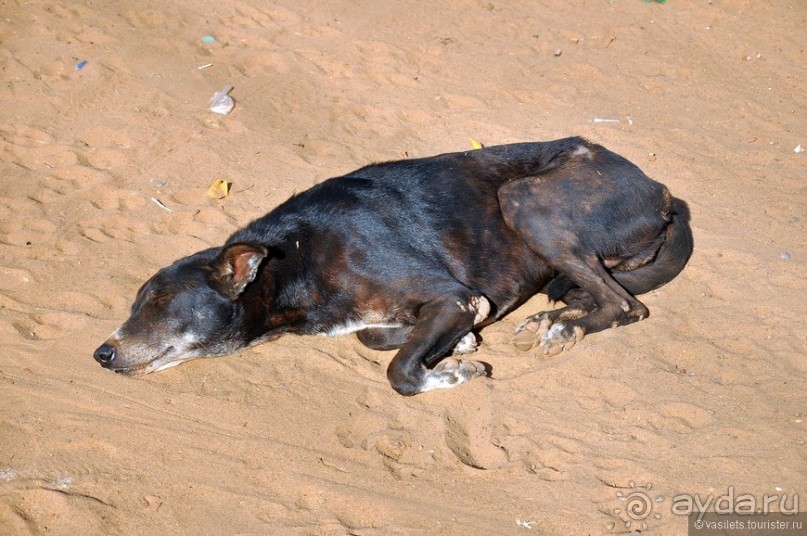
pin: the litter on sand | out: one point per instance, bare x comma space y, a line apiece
526, 524
601, 120
221, 102
476, 144
219, 189
160, 204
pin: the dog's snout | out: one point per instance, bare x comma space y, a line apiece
105, 354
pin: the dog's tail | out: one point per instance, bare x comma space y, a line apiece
670, 259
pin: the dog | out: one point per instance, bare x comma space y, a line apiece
417, 256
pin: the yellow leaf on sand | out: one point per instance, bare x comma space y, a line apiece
219, 189
476, 144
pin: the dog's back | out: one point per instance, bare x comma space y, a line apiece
426, 219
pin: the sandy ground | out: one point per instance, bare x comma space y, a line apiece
304, 435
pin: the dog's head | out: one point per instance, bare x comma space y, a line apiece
188, 310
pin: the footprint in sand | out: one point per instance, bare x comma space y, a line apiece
96, 235
15, 278
51, 325
684, 417
470, 434
51, 188
398, 443
25, 231
372, 432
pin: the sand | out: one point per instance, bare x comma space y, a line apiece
303, 435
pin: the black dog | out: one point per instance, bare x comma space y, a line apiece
415, 255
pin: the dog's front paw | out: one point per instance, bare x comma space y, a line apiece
467, 344
550, 338
452, 372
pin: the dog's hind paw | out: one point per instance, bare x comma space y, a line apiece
550, 338
529, 332
452, 372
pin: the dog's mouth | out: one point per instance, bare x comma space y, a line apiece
163, 361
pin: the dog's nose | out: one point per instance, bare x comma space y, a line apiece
105, 354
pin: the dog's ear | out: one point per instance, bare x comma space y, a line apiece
236, 267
